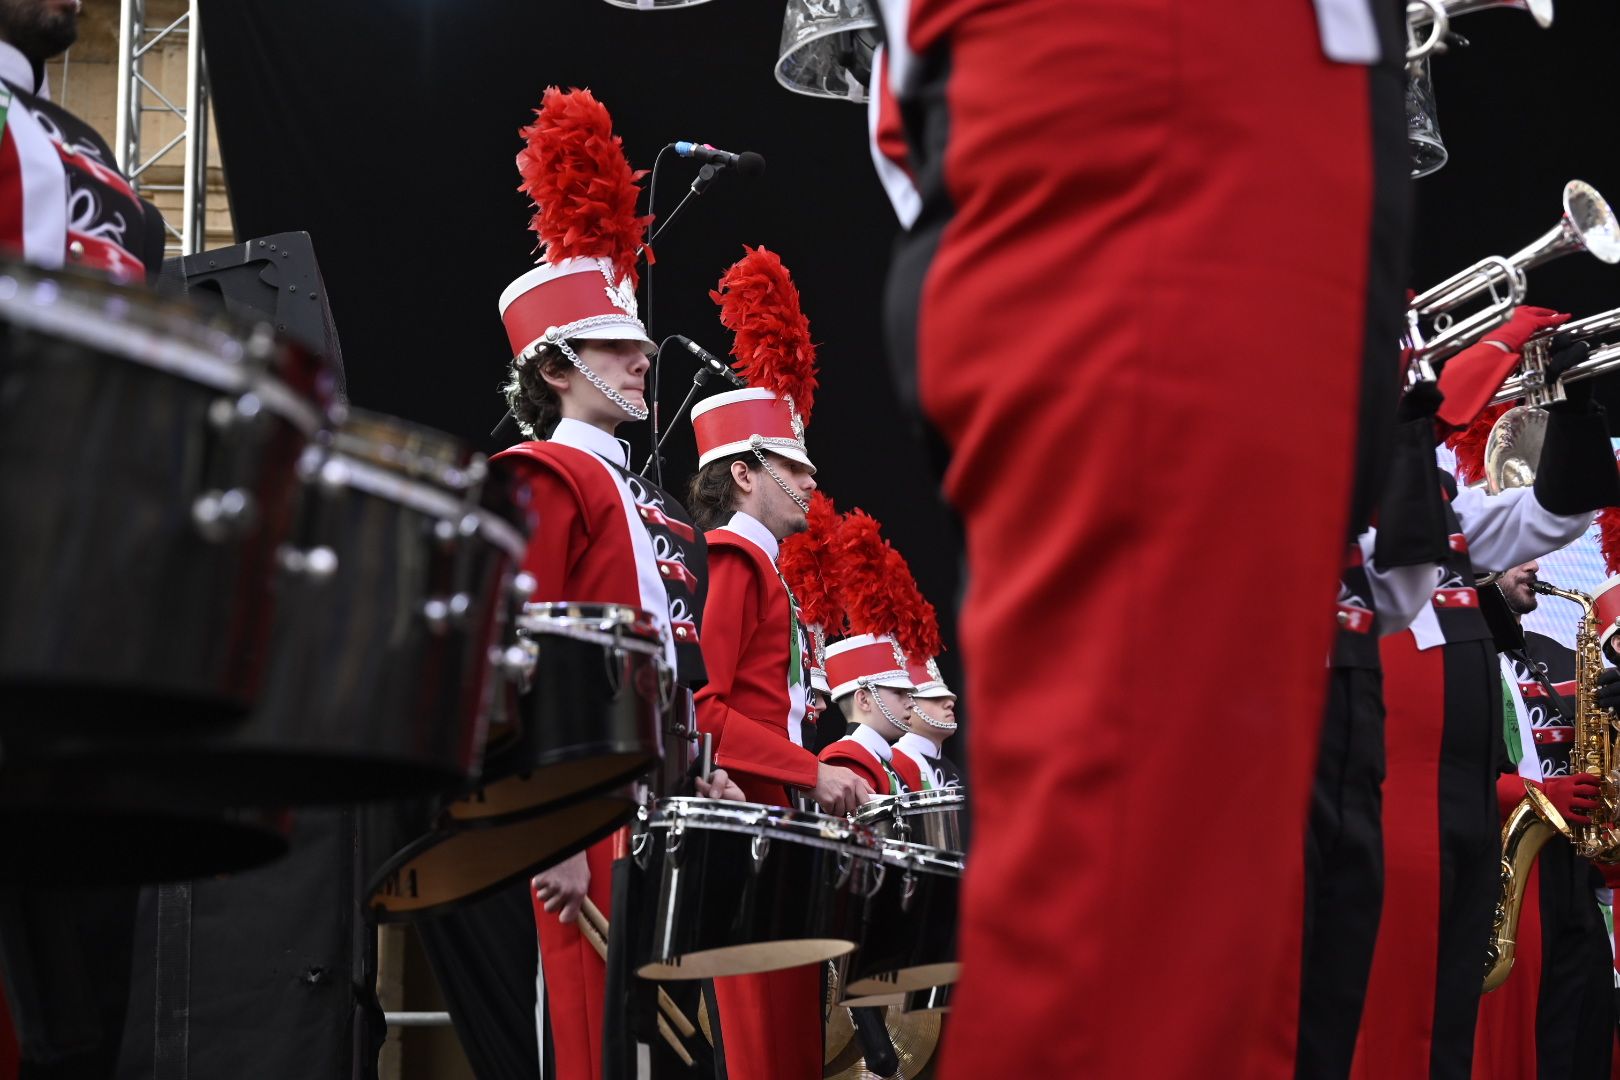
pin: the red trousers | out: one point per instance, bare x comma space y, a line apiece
1141, 305
771, 1024
576, 978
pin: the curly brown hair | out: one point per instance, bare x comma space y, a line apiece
533, 403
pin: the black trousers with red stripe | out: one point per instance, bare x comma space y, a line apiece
1575, 1009
1344, 874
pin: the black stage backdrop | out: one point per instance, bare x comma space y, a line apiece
387, 130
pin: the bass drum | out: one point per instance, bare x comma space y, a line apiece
744, 888
148, 477
590, 719
394, 596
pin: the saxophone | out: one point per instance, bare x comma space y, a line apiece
1535, 820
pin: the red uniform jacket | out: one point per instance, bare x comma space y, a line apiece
747, 704
851, 754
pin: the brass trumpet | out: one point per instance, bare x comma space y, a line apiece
1587, 225
1513, 448
1428, 22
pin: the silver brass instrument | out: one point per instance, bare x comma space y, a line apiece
1428, 32
1428, 22
826, 49
1513, 448
1587, 225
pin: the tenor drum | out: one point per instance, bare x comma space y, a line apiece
459, 863
931, 818
908, 932
393, 593
744, 888
148, 477
590, 720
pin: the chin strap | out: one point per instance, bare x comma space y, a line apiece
941, 725
755, 443
555, 338
884, 709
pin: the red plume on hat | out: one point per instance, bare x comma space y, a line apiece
584, 191
1608, 523
804, 560
1469, 443
759, 304
879, 593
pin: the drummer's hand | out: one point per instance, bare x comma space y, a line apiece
720, 786
839, 791
562, 888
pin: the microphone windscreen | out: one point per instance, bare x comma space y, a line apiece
750, 164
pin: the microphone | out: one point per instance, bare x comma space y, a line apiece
713, 363
748, 163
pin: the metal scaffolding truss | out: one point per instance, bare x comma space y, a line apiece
139, 96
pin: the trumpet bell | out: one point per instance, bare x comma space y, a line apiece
826, 48
1589, 216
1513, 448
1423, 143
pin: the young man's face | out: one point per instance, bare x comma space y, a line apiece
940, 710
774, 508
620, 364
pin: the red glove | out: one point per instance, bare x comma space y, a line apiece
1610, 872
1573, 796
1526, 322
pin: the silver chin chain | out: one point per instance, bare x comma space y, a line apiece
754, 444
635, 412
884, 709
942, 725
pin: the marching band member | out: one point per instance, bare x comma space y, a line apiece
888, 619
933, 704
604, 535
1072, 310
752, 491
1442, 695
1554, 1016
1386, 580
62, 199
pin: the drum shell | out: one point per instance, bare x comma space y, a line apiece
908, 931
722, 912
932, 818
589, 722
119, 614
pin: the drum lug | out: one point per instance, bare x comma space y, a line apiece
759, 848
875, 885
672, 845
226, 413
220, 515
908, 889
442, 613
846, 867
318, 564
523, 586
641, 847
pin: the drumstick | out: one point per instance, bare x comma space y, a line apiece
598, 923
589, 931
708, 756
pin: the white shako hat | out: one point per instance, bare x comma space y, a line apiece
771, 342
574, 169
927, 679
866, 660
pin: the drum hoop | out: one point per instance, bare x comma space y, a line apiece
610, 625
795, 826
876, 809
904, 854
414, 494
932, 799
141, 345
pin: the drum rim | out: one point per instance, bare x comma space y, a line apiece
338, 469
907, 854
929, 800
64, 313
749, 818
575, 618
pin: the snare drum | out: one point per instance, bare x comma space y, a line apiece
591, 718
744, 888
148, 477
931, 818
908, 932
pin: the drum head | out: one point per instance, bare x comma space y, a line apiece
451, 867
549, 787
906, 980
748, 959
